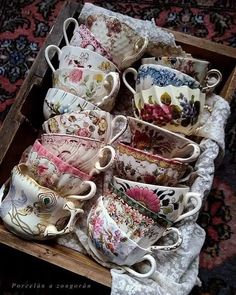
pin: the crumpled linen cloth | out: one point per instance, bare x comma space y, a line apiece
177, 271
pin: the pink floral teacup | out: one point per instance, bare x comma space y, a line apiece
93, 124
124, 44
77, 57
32, 211
50, 171
113, 243
83, 38
167, 202
92, 85
58, 102
138, 165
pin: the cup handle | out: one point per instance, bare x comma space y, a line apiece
51, 229
66, 24
190, 170
135, 73
213, 73
91, 193
169, 247
139, 50
58, 51
197, 198
195, 154
122, 130
98, 168
115, 81
143, 275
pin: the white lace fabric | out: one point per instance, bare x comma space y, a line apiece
177, 271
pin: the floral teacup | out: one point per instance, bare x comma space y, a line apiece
156, 140
50, 171
93, 124
124, 44
137, 165
83, 153
113, 243
167, 202
58, 102
149, 75
77, 57
83, 38
33, 211
174, 108
196, 68
94, 86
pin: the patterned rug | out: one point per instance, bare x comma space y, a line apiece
24, 24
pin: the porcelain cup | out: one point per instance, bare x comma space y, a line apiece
58, 102
54, 173
95, 124
150, 75
141, 166
124, 44
83, 38
92, 85
196, 68
32, 211
175, 108
156, 140
77, 57
168, 202
113, 243
85, 154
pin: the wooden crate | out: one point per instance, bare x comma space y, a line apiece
24, 120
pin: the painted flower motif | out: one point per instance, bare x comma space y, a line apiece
154, 113
146, 197
53, 125
102, 125
97, 223
75, 75
141, 140
190, 110
83, 132
98, 78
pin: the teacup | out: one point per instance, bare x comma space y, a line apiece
58, 102
124, 44
50, 171
167, 202
112, 243
137, 165
83, 38
95, 124
94, 86
175, 108
156, 140
85, 154
150, 75
32, 211
77, 57
196, 68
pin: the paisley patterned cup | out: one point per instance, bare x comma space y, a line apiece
50, 171
113, 243
141, 166
77, 57
174, 108
167, 202
85, 154
124, 44
32, 211
95, 124
196, 68
58, 102
92, 85
156, 140
83, 38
